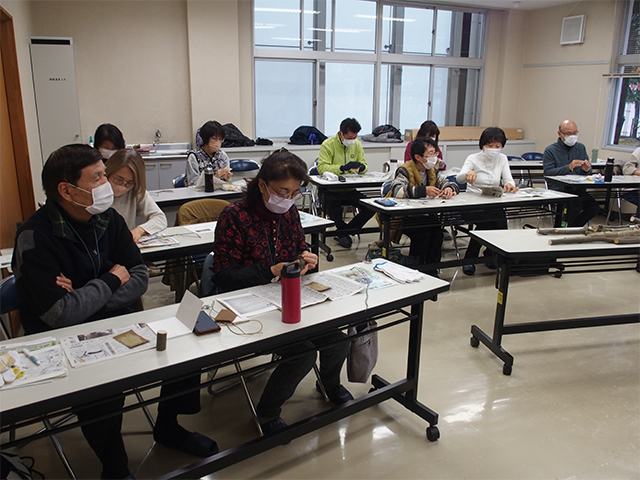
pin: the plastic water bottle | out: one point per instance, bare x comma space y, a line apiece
290, 281
208, 179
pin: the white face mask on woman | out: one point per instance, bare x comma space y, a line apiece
106, 154
102, 198
430, 163
492, 153
278, 205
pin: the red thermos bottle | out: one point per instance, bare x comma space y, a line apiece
290, 280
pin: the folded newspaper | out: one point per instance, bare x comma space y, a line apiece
399, 273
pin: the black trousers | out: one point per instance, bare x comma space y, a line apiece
491, 220
333, 203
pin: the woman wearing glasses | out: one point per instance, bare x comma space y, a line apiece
126, 173
255, 237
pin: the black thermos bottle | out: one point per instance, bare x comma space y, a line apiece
608, 169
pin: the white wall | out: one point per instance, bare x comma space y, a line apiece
174, 64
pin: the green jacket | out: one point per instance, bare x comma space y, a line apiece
333, 154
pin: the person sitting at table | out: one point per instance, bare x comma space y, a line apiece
569, 157
343, 154
419, 179
126, 173
254, 238
108, 139
75, 262
632, 167
208, 154
430, 130
489, 167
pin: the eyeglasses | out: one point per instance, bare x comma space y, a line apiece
121, 181
295, 195
568, 134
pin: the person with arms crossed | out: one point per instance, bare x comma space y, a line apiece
343, 154
254, 239
569, 157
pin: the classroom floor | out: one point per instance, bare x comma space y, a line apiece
570, 409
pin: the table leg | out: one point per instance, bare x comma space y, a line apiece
386, 235
494, 344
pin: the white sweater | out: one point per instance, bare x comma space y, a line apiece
145, 207
488, 172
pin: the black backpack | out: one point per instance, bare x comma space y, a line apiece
235, 138
307, 135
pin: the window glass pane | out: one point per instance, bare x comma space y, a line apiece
404, 95
633, 41
455, 96
348, 93
355, 25
317, 25
627, 121
284, 97
407, 30
459, 34
277, 23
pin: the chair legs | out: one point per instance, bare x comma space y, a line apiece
58, 446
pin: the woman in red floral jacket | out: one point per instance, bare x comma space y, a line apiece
255, 237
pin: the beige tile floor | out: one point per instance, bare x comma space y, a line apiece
570, 410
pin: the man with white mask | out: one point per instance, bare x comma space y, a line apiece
487, 168
419, 178
75, 262
567, 156
343, 154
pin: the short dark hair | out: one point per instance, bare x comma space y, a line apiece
65, 165
429, 129
419, 146
350, 125
280, 165
107, 131
492, 134
211, 129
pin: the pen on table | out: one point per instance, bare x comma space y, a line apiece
31, 356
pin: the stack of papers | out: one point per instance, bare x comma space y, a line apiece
48, 353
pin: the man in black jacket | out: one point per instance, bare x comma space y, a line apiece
75, 262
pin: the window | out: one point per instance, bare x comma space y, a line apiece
379, 61
623, 125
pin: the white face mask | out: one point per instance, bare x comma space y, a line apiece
106, 154
348, 143
278, 204
102, 198
570, 140
492, 153
430, 163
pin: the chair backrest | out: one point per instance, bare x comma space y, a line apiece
200, 211
385, 188
243, 165
461, 186
8, 295
532, 156
313, 170
514, 158
179, 181
243, 168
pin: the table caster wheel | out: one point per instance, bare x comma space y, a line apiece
557, 274
329, 258
475, 343
433, 434
506, 369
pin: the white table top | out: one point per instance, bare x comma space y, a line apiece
185, 194
371, 179
525, 243
465, 200
587, 180
203, 233
191, 348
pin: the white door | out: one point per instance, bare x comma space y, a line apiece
54, 81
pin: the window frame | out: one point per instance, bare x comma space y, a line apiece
620, 61
378, 58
